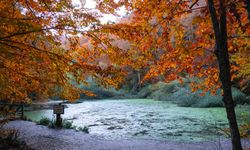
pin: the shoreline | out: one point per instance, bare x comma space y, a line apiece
41, 137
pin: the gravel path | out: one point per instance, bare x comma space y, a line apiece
42, 138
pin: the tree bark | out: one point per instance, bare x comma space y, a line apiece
221, 52
247, 2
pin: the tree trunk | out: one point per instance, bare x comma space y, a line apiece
247, 2
221, 52
139, 79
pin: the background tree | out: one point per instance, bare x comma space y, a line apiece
186, 35
40, 53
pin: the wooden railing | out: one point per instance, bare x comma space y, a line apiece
19, 108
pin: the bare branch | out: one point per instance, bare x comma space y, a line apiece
194, 4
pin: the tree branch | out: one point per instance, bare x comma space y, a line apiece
216, 25
194, 4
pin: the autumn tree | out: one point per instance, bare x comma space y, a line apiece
40, 52
203, 39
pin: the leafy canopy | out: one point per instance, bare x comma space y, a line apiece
40, 51
174, 38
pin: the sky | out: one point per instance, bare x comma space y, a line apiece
106, 17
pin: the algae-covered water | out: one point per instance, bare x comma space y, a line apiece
145, 118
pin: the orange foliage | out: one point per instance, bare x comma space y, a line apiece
168, 37
33, 58
175, 38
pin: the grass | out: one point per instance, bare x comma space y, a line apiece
68, 124
244, 130
83, 129
44, 121
65, 125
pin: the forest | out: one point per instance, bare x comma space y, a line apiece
151, 74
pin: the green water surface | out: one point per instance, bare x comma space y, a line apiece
145, 118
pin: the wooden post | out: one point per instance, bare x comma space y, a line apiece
22, 111
58, 121
58, 110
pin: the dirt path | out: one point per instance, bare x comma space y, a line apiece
42, 138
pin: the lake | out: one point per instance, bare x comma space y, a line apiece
145, 119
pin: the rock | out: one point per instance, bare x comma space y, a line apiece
92, 125
141, 132
112, 127
173, 134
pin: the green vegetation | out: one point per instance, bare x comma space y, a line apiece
68, 124
100, 91
181, 95
44, 121
83, 129
244, 128
65, 124
175, 92
9, 140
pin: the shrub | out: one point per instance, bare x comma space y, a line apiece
238, 96
158, 91
9, 140
244, 128
83, 129
68, 124
181, 95
52, 124
8, 136
44, 121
